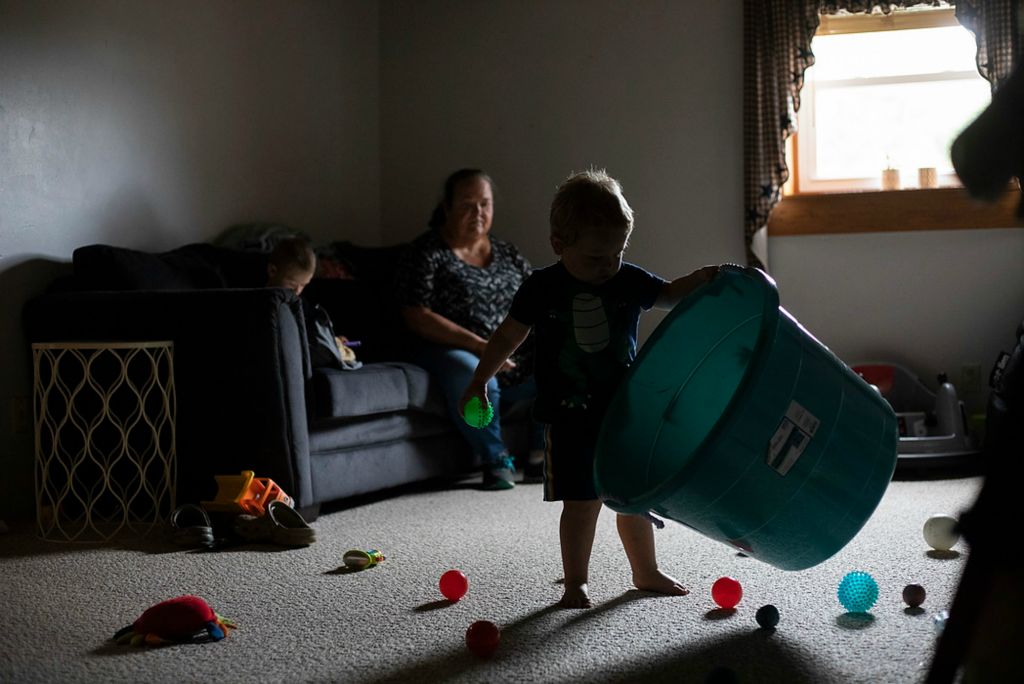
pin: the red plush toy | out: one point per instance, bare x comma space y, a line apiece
181, 619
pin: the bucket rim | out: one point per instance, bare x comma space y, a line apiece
650, 499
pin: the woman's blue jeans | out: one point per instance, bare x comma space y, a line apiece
452, 369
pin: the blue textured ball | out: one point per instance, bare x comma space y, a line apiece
858, 592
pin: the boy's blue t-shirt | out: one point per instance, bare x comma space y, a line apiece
585, 335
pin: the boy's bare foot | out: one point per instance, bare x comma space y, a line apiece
575, 596
659, 582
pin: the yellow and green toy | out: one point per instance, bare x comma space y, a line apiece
357, 559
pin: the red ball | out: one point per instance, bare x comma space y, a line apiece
482, 638
726, 592
454, 585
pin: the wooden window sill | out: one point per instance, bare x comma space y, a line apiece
891, 211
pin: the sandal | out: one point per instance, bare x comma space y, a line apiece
281, 524
190, 526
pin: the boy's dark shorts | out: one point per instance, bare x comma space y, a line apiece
569, 461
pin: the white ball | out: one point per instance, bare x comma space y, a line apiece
940, 532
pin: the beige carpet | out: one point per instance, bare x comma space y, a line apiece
301, 620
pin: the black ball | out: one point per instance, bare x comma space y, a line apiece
914, 595
767, 616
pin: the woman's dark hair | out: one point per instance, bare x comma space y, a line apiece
438, 216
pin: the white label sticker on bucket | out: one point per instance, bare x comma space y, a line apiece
791, 438
803, 418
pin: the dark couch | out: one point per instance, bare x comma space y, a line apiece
247, 397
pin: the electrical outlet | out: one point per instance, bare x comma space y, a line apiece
970, 377
21, 415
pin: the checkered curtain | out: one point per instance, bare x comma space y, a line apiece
997, 27
777, 49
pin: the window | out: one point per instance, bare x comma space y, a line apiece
890, 97
878, 111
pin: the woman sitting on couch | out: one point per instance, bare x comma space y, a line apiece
455, 285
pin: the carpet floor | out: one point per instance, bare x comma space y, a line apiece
302, 618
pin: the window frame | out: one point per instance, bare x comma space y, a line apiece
825, 211
887, 211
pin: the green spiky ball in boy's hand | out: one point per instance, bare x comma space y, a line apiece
476, 414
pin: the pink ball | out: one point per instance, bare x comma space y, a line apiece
726, 592
454, 585
482, 638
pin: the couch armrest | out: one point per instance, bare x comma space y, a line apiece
241, 364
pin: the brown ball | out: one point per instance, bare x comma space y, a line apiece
913, 595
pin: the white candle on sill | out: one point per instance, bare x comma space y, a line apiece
890, 179
927, 177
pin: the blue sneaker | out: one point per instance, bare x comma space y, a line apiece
500, 474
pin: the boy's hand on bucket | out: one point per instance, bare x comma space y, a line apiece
707, 273
677, 290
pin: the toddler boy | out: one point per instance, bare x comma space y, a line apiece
585, 311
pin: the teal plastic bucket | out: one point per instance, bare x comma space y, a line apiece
735, 421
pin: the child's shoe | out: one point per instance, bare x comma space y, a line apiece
281, 524
190, 526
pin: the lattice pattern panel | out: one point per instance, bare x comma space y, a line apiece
104, 435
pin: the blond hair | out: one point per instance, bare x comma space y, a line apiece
589, 200
293, 255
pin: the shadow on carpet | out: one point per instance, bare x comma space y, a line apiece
758, 656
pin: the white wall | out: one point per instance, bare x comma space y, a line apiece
532, 90
149, 124
932, 301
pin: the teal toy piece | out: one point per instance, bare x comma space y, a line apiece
476, 414
858, 591
735, 421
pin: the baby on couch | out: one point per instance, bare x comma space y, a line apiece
291, 265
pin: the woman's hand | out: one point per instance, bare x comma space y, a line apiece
435, 328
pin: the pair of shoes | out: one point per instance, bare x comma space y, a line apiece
190, 526
499, 474
280, 524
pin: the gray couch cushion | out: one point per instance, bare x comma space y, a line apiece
346, 434
373, 389
382, 465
